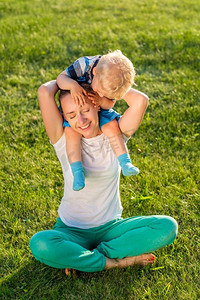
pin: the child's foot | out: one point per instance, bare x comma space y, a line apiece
79, 179
127, 168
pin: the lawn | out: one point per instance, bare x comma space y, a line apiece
39, 39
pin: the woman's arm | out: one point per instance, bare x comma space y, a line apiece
132, 117
51, 116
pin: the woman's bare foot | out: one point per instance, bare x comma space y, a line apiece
67, 271
71, 272
143, 260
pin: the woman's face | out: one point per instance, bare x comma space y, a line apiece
83, 119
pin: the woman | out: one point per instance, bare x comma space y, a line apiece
90, 234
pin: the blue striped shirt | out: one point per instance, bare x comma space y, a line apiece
81, 69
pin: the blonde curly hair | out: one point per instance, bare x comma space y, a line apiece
115, 73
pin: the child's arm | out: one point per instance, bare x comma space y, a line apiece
102, 102
77, 92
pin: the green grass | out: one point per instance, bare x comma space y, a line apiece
38, 40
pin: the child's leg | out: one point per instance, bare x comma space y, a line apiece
73, 148
112, 131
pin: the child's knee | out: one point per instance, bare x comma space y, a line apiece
72, 134
112, 126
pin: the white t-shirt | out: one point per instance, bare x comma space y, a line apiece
99, 201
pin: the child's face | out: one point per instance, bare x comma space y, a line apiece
83, 119
96, 86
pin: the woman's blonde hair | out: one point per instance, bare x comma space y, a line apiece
116, 74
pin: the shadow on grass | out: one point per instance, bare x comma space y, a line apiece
37, 281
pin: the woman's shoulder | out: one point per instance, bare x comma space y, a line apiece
60, 143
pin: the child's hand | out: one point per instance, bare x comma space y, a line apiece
95, 99
78, 94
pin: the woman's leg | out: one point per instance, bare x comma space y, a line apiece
138, 235
62, 248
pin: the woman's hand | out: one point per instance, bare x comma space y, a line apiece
101, 102
78, 94
95, 99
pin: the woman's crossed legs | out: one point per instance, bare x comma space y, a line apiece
119, 243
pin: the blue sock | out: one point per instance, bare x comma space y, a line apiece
79, 179
127, 168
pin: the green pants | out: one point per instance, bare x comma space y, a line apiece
85, 249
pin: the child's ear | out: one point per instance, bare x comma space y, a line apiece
94, 71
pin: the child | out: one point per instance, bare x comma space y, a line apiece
110, 76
